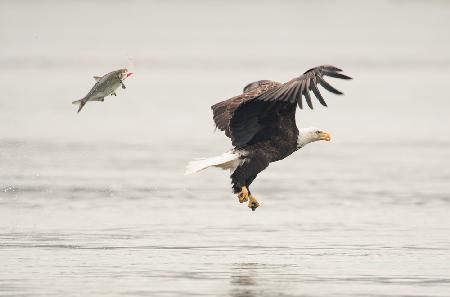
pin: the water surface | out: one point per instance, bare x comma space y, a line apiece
96, 204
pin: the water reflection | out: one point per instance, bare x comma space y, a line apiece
244, 279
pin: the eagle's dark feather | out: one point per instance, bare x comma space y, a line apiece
224, 111
241, 117
261, 121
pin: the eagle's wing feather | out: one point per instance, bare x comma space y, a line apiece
241, 116
224, 110
306, 82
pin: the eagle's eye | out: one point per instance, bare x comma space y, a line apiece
318, 132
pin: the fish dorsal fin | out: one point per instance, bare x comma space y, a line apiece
97, 78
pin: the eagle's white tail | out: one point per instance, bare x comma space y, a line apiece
229, 160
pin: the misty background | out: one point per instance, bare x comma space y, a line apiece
97, 202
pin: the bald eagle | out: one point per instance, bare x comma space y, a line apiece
261, 125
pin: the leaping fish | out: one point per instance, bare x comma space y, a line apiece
105, 85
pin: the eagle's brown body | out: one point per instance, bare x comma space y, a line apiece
261, 122
268, 134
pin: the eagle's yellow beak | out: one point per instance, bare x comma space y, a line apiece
325, 136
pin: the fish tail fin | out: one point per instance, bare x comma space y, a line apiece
229, 160
80, 102
76, 102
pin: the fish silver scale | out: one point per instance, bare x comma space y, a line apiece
105, 86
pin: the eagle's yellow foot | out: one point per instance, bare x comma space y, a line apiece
253, 203
243, 195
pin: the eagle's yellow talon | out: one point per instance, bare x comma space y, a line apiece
243, 195
253, 203
242, 199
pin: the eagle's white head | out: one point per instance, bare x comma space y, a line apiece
307, 135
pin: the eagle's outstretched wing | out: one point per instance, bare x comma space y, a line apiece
241, 116
223, 111
293, 90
